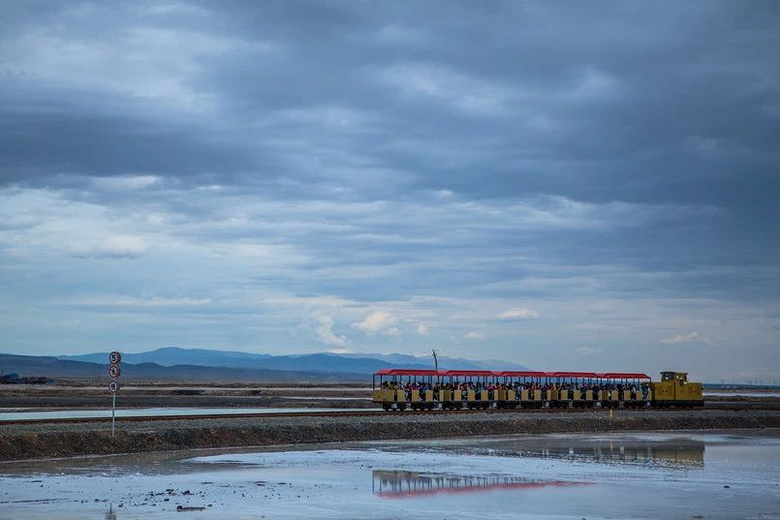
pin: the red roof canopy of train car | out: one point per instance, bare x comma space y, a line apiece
406, 372
511, 373
573, 374
623, 375
468, 373
521, 374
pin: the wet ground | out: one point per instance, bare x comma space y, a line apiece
656, 475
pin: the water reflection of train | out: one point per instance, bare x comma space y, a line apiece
672, 452
679, 453
398, 389
406, 484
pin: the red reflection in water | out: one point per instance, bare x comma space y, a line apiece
407, 484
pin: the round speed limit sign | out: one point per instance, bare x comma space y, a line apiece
114, 358
114, 371
113, 386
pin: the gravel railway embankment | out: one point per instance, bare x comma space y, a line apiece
28, 441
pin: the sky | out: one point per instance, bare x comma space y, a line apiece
569, 186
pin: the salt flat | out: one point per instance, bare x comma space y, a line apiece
731, 474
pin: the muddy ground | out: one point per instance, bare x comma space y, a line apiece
93, 437
20, 441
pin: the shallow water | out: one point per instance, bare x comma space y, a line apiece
161, 412
739, 393
573, 476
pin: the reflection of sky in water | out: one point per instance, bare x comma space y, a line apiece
553, 476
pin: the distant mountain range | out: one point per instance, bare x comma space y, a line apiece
320, 362
54, 368
173, 363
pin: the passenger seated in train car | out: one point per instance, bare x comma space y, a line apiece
421, 394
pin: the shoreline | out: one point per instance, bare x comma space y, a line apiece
29, 442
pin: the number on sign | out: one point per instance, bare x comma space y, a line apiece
114, 358
113, 386
114, 371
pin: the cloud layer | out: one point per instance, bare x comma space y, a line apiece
511, 181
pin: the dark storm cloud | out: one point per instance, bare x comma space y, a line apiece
40, 144
598, 102
675, 85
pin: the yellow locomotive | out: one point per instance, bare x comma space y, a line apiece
674, 389
398, 389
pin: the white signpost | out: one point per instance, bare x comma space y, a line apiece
113, 386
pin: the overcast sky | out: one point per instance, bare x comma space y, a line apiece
565, 185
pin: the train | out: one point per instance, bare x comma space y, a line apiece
396, 389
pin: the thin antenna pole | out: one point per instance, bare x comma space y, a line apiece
113, 413
435, 359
